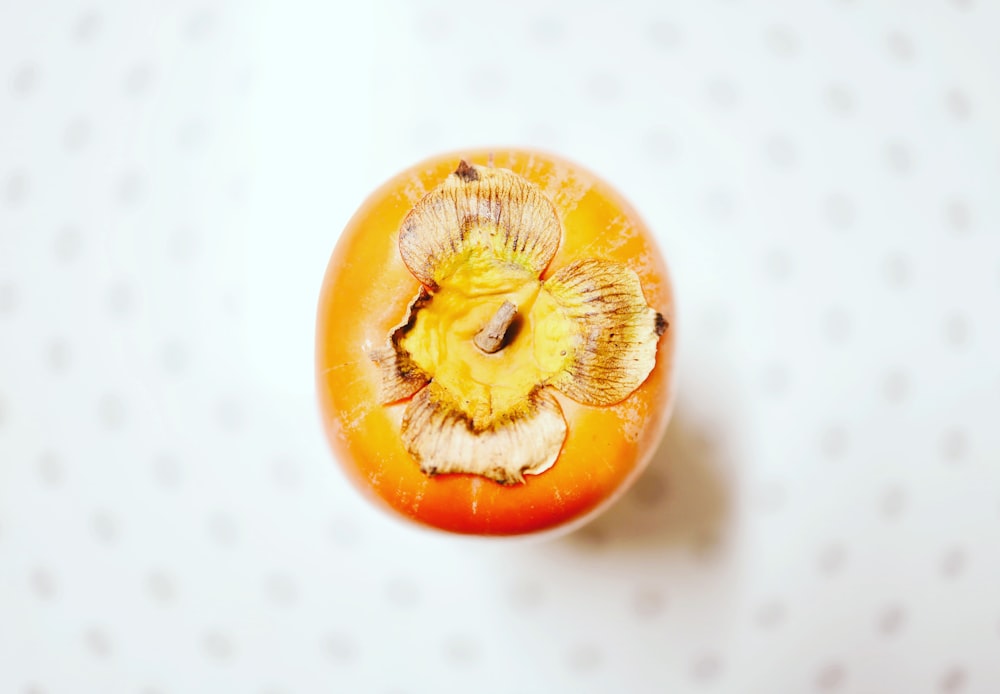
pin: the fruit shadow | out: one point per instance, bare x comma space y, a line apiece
682, 500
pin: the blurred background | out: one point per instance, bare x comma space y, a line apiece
824, 513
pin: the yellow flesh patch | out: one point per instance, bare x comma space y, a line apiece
490, 387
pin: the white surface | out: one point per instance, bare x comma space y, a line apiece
825, 512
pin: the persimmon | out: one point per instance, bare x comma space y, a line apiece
495, 344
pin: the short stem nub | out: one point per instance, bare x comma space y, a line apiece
490, 338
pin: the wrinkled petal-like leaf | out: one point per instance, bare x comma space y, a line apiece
618, 331
478, 206
399, 375
442, 439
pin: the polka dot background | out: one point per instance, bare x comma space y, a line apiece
824, 513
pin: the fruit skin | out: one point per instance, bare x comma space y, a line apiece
365, 293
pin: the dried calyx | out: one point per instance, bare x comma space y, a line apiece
486, 340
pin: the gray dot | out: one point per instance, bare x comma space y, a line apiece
244, 80
230, 415
67, 244
121, 299
777, 265
659, 146
953, 680
722, 93
958, 217
893, 502
8, 298
105, 527
77, 135
161, 586
50, 470
706, 667
956, 330
719, 204
174, 358
130, 188
650, 490
87, 26
111, 412
402, 592
839, 211
340, 648
897, 270
200, 26
770, 498
33, 689
584, 658
525, 595
782, 41
218, 646
832, 559
770, 615
839, 99
43, 583
223, 530
781, 151
958, 104
953, 563
461, 649
547, 30
281, 590
830, 677
487, 81
898, 158
962, 4
592, 536
239, 188
715, 322
192, 135
16, 188
833, 442
433, 26
774, 380
3, 411
664, 35
896, 386
954, 446
24, 81
98, 642
286, 474
344, 532
138, 79
648, 601
425, 133
900, 46
231, 303
837, 325
541, 134
604, 87
58, 355
182, 245
166, 471
891, 619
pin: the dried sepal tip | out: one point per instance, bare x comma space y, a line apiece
479, 207
443, 440
399, 375
617, 334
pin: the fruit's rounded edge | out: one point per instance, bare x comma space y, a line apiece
666, 349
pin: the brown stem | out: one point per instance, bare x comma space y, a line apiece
490, 338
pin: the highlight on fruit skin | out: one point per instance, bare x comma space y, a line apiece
518, 342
